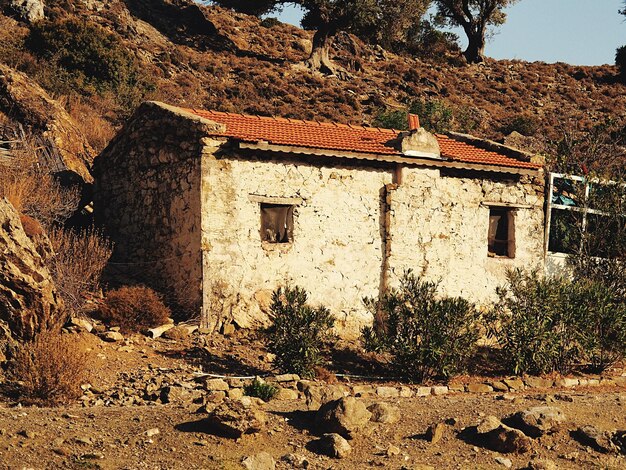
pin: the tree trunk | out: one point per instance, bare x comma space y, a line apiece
320, 55
475, 52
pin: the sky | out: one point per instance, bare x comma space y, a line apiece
579, 32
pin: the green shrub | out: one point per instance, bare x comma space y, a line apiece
435, 115
263, 390
553, 324
134, 308
394, 119
525, 125
535, 324
620, 61
82, 56
299, 333
426, 335
270, 22
603, 327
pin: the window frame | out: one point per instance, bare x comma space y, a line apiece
583, 209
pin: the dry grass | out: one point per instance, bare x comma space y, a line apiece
50, 369
96, 129
77, 265
134, 308
33, 191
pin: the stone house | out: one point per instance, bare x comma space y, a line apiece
224, 208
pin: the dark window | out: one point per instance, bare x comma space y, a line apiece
500, 239
276, 223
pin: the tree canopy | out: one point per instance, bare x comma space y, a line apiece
474, 16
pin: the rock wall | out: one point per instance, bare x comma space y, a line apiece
354, 231
440, 222
337, 249
147, 197
29, 301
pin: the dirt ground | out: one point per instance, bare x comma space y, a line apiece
123, 437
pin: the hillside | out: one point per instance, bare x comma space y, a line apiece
211, 58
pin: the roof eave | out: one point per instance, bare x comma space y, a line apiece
388, 158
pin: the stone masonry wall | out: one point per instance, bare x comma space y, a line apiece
147, 196
438, 228
337, 250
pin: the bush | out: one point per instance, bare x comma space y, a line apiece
435, 115
76, 275
270, 22
394, 119
134, 308
620, 61
262, 390
82, 56
33, 191
553, 324
299, 333
426, 336
49, 369
525, 125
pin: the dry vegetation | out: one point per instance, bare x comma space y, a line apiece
77, 264
244, 66
50, 369
31, 188
134, 308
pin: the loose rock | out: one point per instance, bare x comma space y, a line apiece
384, 413
236, 418
260, 461
333, 445
346, 417
539, 420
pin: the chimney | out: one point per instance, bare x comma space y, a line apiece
418, 142
414, 122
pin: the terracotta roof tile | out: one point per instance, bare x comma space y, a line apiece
343, 137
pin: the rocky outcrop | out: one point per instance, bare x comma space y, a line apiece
29, 301
30, 11
26, 103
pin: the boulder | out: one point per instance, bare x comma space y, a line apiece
384, 413
234, 418
345, 416
177, 333
29, 301
494, 435
30, 105
317, 396
541, 464
260, 461
30, 11
537, 421
599, 440
333, 445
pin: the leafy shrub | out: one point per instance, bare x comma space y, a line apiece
263, 390
552, 324
427, 336
394, 119
620, 61
435, 115
77, 276
525, 125
49, 369
603, 327
270, 22
81, 55
535, 325
134, 308
299, 333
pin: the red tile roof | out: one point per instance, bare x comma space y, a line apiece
342, 137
